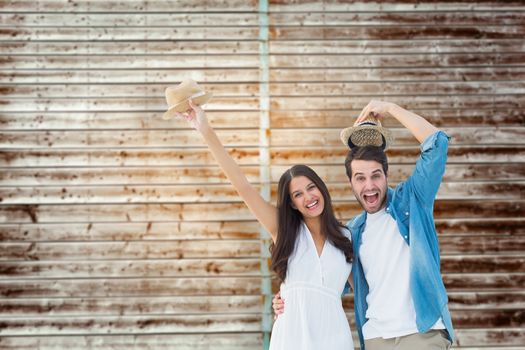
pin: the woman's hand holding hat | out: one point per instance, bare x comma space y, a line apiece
196, 116
178, 97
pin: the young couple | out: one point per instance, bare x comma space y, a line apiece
389, 253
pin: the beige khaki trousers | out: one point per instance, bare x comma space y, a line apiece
432, 340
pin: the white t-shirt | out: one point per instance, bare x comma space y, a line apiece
385, 257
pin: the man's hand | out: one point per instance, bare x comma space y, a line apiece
376, 109
277, 305
418, 126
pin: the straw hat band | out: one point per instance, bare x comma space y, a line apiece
367, 123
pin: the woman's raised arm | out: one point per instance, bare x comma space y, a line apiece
265, 212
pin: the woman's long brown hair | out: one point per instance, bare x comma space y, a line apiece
290, 219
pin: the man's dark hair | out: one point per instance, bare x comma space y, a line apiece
374, 153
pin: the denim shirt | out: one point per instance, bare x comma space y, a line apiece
411, 205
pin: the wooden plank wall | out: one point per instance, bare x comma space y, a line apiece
117, 229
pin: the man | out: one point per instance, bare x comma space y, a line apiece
399, 296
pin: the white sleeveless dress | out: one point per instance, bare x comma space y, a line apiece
313, 317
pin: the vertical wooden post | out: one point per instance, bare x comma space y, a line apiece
264, 165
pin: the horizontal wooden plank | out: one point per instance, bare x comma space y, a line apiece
496, 339
482, 263
128, 6
303, 74
328, 46
499, 337
173, 249
19, 214
289, 104
456, 154
132, 287
140, 47
491, 282
291, 74
211, 193
145, 90
414, 102
396, 88
158, 230
89, 34
129, 61
138, 287
128, 76
198, 341
480, 227
216, 267
130, 176
311, 89
121, 194
342, 118
502, 235
391, 32
124, 138
121, 104
29, 307
125, 120
79, 263
105, 62
128, 157
251, 19
169, 305
384, 18
398, 60
475, 244
158, 19
488, 319
391, 6
276, 6
248, 137
487, 300
131, 324
325, 46
74, 176
202, 323
243, 156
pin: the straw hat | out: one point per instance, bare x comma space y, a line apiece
178, 96
367, 132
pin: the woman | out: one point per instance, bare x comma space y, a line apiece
311, 250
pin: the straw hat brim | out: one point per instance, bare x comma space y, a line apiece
365, 135
185, 105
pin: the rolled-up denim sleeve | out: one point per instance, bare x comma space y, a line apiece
430, 167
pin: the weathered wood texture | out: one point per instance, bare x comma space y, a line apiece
118, 230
